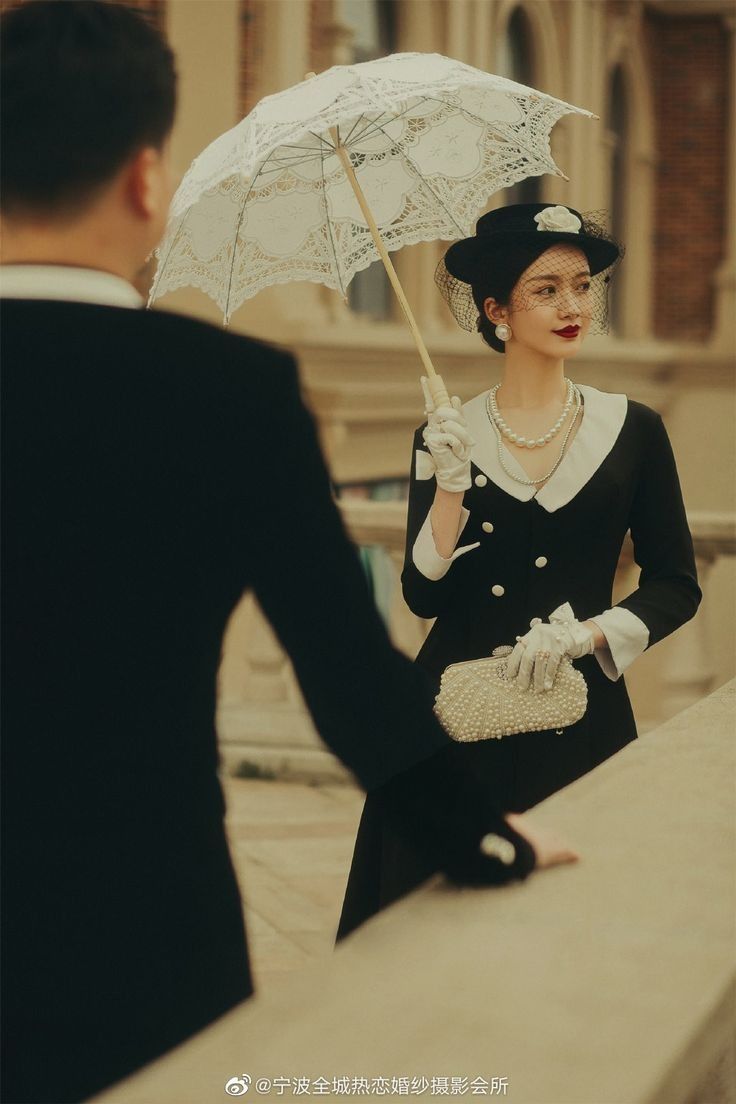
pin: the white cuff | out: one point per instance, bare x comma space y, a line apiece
626, 638
425, 555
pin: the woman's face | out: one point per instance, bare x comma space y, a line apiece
550, 307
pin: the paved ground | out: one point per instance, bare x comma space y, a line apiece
292, 845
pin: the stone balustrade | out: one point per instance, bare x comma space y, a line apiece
609, 981
264, 725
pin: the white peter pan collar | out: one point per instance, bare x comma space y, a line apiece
603, 419
68, 284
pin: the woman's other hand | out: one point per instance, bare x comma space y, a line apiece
539, 652
549, 849
448, 439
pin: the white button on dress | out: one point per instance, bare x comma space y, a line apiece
487, 527
541, 561
496, 847
498, 590
481, 480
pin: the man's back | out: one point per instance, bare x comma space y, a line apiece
154, 468
125, 518
127, 513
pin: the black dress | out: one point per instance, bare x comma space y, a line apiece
536, 552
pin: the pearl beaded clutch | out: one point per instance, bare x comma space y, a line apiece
477, 702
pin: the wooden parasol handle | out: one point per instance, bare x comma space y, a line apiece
436, 383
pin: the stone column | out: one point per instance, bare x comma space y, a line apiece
285, 44
458, 16
580, 134
419, 31
484, 17
283, 29
207, 107
689, 671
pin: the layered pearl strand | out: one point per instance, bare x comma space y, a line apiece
495, 414
578, 400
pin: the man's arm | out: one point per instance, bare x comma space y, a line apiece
370, 704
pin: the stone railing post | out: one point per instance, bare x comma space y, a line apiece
690, 670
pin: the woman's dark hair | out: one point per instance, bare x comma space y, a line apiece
506, 269
85, 83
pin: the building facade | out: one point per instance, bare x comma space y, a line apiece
661, 77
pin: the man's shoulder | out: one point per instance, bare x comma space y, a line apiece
206, 331
200, 337
164, 339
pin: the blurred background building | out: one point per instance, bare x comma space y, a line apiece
661, 75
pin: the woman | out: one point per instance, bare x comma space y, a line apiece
518, 506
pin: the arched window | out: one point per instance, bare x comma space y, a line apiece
373, 23
515, 60
617, 138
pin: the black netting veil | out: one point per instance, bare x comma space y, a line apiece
522, 260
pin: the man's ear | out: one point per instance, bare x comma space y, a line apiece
147, 183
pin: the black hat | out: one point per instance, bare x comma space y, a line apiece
530, 224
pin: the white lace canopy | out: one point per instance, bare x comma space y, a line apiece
429, 139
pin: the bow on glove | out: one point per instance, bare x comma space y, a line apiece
540, 651
448, 439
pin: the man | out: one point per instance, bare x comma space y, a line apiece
154, 468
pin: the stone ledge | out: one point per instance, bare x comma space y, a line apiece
604, 982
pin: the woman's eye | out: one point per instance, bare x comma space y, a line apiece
585, 287
543, 291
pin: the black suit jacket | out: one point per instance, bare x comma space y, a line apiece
154, 468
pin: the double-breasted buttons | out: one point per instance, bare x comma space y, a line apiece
541, 561
496, 847
480, 480
487, 527
498, 591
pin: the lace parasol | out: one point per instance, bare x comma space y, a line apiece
417, 141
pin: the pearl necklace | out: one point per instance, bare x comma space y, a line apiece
539, 442
558, 461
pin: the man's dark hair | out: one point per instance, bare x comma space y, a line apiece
84, 85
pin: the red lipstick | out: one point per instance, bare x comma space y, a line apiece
569, 331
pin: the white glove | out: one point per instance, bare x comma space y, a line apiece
448, 439
542, 648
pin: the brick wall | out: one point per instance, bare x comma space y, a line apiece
689, 73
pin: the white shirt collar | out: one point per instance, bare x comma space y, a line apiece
64, 282
603, 419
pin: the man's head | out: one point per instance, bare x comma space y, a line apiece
87, 104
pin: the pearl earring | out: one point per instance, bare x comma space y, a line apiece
502, 331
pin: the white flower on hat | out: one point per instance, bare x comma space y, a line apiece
558, 218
